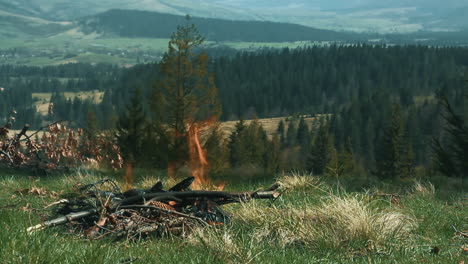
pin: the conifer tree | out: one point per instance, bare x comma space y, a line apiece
249, 145
254, 142
303, 134
452, 160
188, 90
131, 128
394, 158
235, 144
320, 152
341, 163
272, 154
217, 151
291, 133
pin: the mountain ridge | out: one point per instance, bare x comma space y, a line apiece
135, 23
354, 15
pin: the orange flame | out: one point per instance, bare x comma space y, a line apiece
128, 177
198, 160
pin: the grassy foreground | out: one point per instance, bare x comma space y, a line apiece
312, 222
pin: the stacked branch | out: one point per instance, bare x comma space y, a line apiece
102, 209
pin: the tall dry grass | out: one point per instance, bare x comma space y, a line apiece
344, 222
296, 180
335, 222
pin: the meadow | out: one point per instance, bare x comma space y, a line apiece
316, 220
43, 99
72, 46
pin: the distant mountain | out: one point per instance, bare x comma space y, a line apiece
131, 23
355, 15
71, 9
18, 23
327, 5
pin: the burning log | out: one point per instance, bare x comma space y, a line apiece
219, 197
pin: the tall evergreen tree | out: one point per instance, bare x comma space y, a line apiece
272, 154
291, 133
321, 151
394, 159
188, 89
453, 159
303, 133
131, 128
217, 151
236, 151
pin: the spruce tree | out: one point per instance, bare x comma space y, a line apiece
394, 158
291, 133
217, 151
131, 128
320, 152
235, 145
303, 134
452, 160
188, 90
272, 154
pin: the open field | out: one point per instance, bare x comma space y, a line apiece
43, 99
314, 221
73, 46
269, 124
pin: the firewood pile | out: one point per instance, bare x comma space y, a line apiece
101, 209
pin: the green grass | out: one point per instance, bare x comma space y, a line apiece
314, 221
85, 47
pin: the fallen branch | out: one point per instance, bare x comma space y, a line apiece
164, 210
147, 211
62, 220
219, 197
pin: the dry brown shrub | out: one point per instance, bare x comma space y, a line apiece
60, 148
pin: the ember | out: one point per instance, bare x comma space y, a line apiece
102, 209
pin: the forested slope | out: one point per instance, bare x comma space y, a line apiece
132, 23
363, 90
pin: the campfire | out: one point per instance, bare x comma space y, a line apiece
101, 209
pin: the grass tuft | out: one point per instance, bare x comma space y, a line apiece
296, 180
424, 188
314, 221
224, 244
334, 223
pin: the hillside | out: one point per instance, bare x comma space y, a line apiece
129, 37
13, 25
361, 16
72, 9
132, 23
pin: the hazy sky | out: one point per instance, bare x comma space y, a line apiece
341, 4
